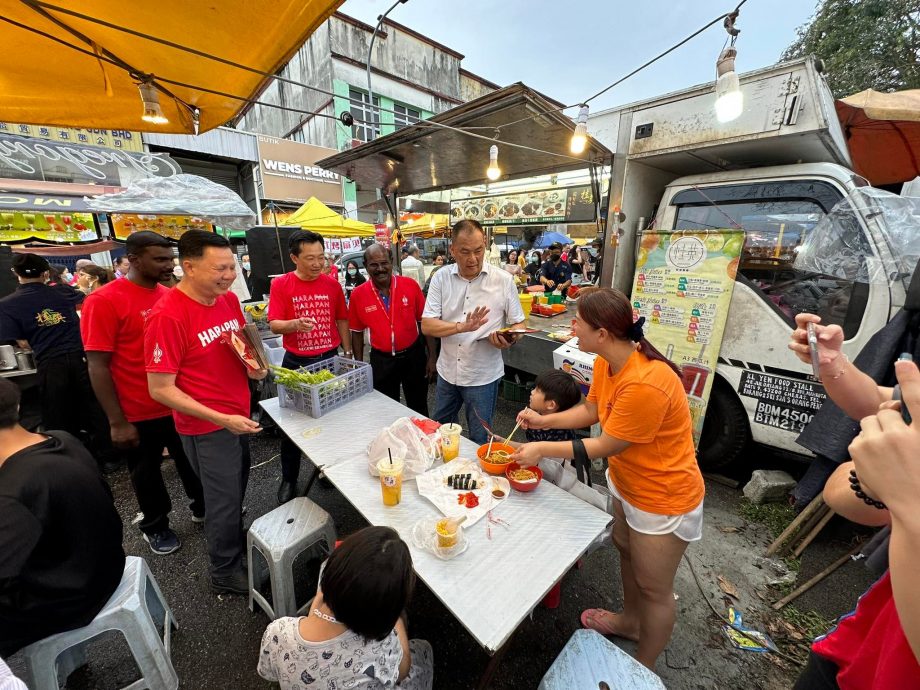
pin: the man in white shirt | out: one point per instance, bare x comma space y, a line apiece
412, 266
468, 302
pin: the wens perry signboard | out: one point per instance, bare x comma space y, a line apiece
289, 172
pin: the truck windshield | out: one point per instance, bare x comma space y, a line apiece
775, 229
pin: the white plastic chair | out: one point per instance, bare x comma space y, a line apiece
588, 659
135, 609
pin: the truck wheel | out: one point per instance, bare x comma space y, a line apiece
725, 431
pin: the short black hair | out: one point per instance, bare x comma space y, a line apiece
137, 242
368, 581
28, 265
304, 237
555, 245
9, 404
559, 387
465, 225
193, 243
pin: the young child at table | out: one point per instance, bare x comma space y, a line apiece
353, 635
554, 391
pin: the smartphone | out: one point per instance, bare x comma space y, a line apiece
896, 395
905, 413
813, 346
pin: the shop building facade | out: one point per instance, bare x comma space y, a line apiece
413, 78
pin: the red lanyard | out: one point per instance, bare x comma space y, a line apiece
391, 313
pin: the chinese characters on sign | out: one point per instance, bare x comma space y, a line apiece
683, 287
106, 138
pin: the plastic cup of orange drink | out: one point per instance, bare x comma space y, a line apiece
391, 476
450, 441
447, 533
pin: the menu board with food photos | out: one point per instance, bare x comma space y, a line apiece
683, 287
17, 225
173, 227
539, 207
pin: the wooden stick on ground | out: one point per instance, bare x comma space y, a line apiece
794, 594
816, 503
814, 533
804, 530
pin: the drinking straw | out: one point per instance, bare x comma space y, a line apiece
390, 453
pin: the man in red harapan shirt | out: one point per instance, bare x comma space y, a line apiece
307, 307
112, 325
193, 371
391, 308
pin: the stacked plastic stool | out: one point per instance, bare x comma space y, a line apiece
134, 610
589, 661
280, 537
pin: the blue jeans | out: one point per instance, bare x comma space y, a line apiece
478, 399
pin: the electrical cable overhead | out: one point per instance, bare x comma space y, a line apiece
619, 81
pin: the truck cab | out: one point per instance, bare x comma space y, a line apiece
775, 173
762, 392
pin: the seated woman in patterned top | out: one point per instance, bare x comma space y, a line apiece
353, 636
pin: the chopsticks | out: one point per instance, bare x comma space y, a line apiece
516, 427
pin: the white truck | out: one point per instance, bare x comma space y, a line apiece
775, 171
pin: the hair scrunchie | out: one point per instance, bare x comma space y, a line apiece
635, 332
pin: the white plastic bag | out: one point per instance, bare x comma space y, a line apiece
404, 440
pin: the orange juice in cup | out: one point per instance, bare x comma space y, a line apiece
391, 476
450, 441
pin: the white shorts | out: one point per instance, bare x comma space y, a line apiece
688, 526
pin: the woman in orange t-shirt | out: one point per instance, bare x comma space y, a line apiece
638, 397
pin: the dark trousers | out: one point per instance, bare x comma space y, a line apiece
144, 465
406, 369
69, 404
221, 461
818, 674
290, 453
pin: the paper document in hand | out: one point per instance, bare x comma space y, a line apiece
247, 344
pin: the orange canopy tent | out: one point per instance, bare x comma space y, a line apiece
883, 134
78, 63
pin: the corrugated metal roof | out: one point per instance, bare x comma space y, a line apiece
224, 142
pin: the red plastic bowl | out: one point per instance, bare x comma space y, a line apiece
523, 487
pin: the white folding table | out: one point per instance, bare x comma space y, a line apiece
498, 581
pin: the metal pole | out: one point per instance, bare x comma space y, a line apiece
370, 48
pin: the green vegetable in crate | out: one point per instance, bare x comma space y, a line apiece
288, 377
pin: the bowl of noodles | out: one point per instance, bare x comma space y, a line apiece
523, 478
498, 459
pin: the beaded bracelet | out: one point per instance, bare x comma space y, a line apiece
858, 490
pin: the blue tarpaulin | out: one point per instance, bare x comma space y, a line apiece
548, 238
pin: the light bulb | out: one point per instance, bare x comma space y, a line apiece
580, 137
493, 172
389, 221
432, 224
153, 113
729, 98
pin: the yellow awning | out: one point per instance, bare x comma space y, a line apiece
45, 80
316, 216
424, 225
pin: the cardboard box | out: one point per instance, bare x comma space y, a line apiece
579, 364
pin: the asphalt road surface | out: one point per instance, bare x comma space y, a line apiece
218, 642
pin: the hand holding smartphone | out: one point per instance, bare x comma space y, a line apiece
896, 394
813, 346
